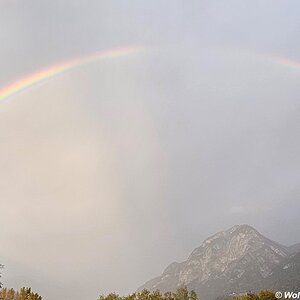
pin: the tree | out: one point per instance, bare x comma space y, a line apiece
193, 295
143, 295
156, 295
266, 295
182, 294
168, 296
262, 295
1, 267
23, 294
111, 296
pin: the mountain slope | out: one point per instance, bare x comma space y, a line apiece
285, 276
294, 248
235, 260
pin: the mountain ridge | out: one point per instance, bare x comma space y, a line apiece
238, 259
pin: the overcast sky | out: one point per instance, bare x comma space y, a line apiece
113, 170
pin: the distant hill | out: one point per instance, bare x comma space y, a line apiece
236, 260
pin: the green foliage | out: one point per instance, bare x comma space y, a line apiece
266, 295
193, 295
181, 294
23, 294
262, 295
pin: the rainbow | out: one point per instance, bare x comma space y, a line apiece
31, 80
286, 62
40, 76
272, 58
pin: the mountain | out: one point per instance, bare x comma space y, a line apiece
237, 260
294, 248
285, 276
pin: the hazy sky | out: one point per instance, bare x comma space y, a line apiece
113, 170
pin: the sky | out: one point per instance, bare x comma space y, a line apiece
116, 168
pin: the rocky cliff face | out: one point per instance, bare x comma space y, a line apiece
236, 260
286, 275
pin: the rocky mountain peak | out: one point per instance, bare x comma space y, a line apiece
232, 243
239, 256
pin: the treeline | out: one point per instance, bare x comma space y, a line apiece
181, 294
184, 294
22, 294
262, 295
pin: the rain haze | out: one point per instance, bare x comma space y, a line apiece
117, 167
